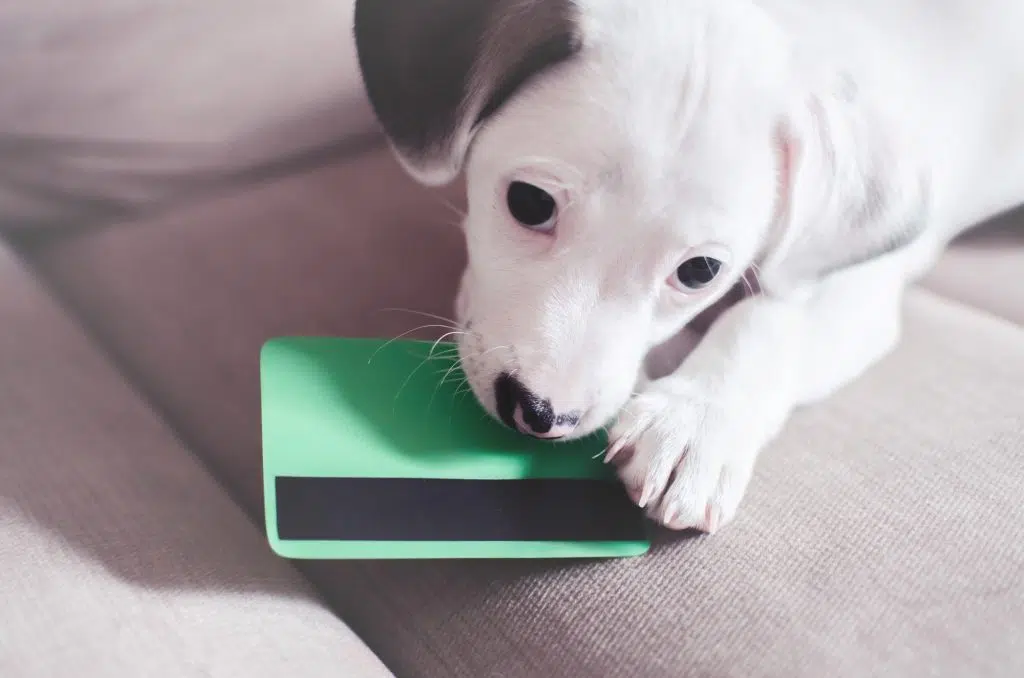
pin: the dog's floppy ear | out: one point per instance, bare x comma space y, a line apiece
435, 70
853, 189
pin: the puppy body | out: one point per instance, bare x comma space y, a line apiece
828, 148
949, 74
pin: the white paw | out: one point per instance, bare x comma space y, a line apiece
684, 457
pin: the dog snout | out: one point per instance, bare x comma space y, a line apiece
523, 410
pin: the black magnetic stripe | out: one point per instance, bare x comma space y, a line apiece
422, 509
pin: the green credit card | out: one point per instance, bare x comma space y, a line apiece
375, 448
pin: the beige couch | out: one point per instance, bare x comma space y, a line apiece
181, 180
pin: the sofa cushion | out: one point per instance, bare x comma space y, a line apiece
120, 555
112, 106
322, 253
881, 535
985, 268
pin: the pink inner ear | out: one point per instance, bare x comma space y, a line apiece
786, 150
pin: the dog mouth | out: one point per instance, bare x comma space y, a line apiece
507, 400
525, 412
494, 376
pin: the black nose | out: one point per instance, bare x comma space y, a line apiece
536, 415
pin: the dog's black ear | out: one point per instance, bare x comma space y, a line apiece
856, 190
434, 70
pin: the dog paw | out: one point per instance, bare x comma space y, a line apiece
683, 457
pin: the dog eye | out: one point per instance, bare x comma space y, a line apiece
696, 273
532, 207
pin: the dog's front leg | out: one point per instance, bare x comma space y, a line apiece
686, 446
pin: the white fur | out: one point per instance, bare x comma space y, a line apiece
663, 138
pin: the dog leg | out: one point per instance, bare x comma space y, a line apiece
686, 446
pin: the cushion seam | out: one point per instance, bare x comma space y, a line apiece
137, 389
216, 187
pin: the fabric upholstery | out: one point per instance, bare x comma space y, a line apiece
114, 106
323, 253
120, 555
985, 268
881, 536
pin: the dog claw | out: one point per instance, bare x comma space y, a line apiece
712, 519
614, 449
649, 493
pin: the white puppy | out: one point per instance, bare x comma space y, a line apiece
628, 161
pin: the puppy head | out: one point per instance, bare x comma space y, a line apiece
626, 164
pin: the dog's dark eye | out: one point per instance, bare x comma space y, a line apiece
693, 274
532, 207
